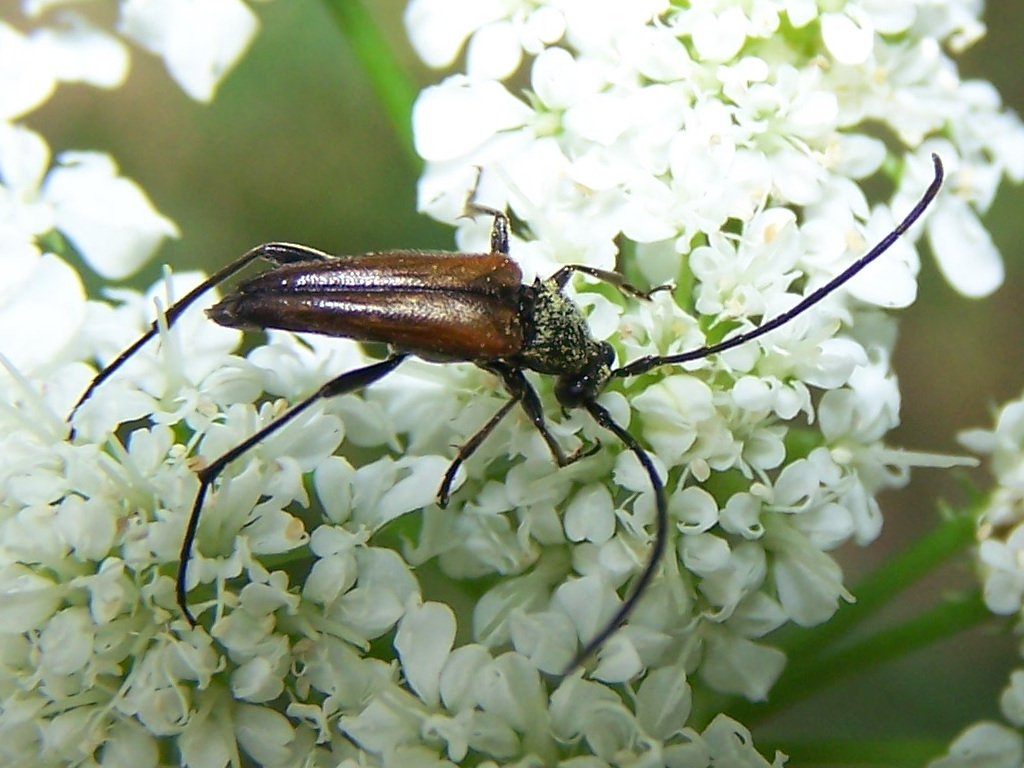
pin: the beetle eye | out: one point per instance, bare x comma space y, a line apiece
572, 390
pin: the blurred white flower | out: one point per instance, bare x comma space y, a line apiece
199, 40
32, 65
42, 306
107, 217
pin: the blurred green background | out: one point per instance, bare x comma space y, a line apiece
296, 147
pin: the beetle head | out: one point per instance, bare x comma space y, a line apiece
573, 389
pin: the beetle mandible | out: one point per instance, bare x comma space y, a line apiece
456, 307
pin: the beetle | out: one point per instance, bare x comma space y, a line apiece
452, 307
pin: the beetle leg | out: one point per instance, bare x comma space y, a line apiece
561, 277
499, 227
277, 253
349, 381
522, 392
467, 449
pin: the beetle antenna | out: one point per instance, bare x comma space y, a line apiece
657, 553
644, 364
170, 318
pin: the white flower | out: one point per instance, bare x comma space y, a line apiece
32, 65
42, 306
199, 40
107, 217
956, 226
498, 36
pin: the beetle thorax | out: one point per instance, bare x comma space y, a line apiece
557, 341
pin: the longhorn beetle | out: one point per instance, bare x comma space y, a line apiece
452, 307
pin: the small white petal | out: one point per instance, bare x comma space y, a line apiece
742, 515
438, 28
66, 643
510, 689
694, 508
27, 80
590, 516
87, 527
663, 702
256, 680
455, 118
107, 217
334, 480
589, 603
24, 160
554, 78
494, 52
548, 639
720, 37
386, 587
42, 307
809, 582
617, 660
423, 641
129, 745
205, 742
601, 118
545, 26
964, 249
1011, 701
27, 601
264, 734
199, 40
459, 676
389, 488
848, 36
734, 664
730, 743
83, 53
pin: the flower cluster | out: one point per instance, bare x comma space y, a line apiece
723, 149
346, 619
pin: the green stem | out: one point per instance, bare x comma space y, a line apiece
805, 679
390, 80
